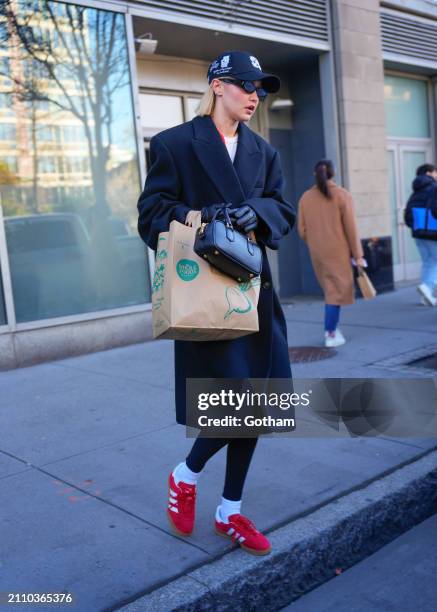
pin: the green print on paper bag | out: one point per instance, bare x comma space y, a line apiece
157, 305
158, 277
237, 300
187, 269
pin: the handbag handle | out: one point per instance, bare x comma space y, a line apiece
223, 210
230, 231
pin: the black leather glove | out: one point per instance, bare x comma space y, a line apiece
244, 217
209, 211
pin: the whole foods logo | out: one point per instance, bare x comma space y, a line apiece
187, 269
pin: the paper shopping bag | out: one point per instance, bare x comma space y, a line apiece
367, 289
191, 300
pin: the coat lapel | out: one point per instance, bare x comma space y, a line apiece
247, 162
235, 181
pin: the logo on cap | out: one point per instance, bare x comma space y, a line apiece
225, 61
255, 62
213, 66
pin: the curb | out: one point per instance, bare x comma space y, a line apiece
308, 551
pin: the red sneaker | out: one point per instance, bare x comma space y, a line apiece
181, 506
240, 529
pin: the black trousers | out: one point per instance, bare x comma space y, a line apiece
238, 458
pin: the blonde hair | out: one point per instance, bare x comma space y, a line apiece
207, 103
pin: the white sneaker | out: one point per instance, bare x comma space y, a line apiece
337, 339
426, 294
340, 335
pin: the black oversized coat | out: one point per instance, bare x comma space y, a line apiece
191, 168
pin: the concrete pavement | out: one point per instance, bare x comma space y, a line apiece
88, 443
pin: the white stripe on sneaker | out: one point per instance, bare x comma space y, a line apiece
230, 531
241, 539
173, 493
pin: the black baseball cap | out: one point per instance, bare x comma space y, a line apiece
244, 66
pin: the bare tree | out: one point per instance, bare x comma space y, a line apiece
80, 64
74, 58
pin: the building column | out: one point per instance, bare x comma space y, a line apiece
360, 95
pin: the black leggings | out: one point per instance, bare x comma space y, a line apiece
239, 455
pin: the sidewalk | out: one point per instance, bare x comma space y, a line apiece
88, 443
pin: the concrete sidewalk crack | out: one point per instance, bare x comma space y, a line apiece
109, 444
133, 380
112, 504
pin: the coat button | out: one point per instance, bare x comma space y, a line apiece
266, 285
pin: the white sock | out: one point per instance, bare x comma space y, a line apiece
227, 508
183, 472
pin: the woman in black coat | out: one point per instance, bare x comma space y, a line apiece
213, 159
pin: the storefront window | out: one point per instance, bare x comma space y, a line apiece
70, 176
192, 104
2, 304
159, 112
406, 107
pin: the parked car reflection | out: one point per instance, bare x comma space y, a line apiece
57, 267
48, 255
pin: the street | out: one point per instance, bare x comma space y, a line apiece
399, 577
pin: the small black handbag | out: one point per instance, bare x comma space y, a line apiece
227, 249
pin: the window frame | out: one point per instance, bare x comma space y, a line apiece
5, 273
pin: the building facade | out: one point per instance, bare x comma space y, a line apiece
85, 85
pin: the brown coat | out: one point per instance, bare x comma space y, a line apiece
329, 228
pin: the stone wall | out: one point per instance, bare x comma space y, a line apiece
360, 93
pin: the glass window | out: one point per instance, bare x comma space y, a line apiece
70, 211
7, 131
192, 104
5, 104
45, 132
72, 133
11, 163
406, 107
160, 111
46, 165
4, 66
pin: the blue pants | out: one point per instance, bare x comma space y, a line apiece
332, 316
428, 253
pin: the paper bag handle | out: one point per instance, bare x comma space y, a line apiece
194, 218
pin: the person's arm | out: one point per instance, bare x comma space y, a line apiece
301, 227
159, 202
276, 217
350, 227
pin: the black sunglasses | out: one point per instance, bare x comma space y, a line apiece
248, 87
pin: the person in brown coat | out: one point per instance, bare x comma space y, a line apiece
326, 222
